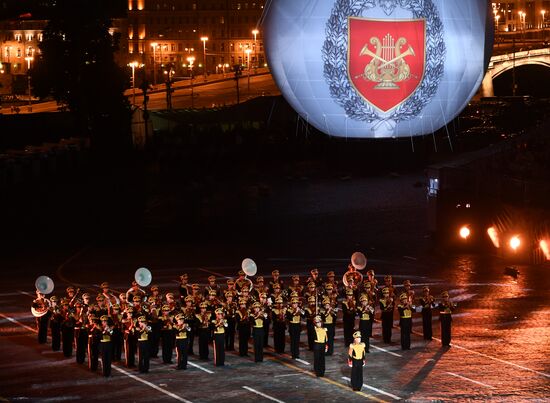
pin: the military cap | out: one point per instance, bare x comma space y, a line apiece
294, 300
425, 288
311, 299
129, 309
276, 286
85, 295
122, 295
326, 300
154, 288
367, 284
245, 289
329, 286
228, 294
275, 273
363, 297
314, 271
100, 297
115, 306
387, 277
370, 272
230, 282
317, 319
407, 282
444, 294
104, 285
180, 316
262, 295
241, 273
104, 317
294, 294
53, 298
69, 289
357, 335
136, 298
212, 292
170, 295
242, 301
256, 305
259, 279
403, 296
349, 291
295, 278
211, 278
166, 308
279, 300
184, 276
189, 298
203, 305
218, 311
386, 290
330, 274
142, 319
195, 286
311, 284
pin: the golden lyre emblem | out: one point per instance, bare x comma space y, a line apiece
388, 65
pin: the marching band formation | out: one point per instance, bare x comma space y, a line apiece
143, 322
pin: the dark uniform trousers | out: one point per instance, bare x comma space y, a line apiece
144, 355
357, 358
67, 335
106, 356
365, 327
81, 342
204, 338
446, 320
42, 325
427, 323
244, 336
55, 328
310, 334
294, 330
190, 336
259, 335
406, 325
182, 349
330, 335
117, 340
319, 358
93, 351
267, 323
130, 346
155, 339
230, 335
279, 329
219, 349
167, 336
349, 323
387, 323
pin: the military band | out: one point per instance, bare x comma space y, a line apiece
143, 322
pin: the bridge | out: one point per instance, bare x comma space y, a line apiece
502, 63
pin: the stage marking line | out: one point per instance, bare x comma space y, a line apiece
302, 361
325, 379
60, 268
386, 351
27, 293
18, 323
200, 367
493, 358
151, 385
215, 273
262, 394
282, 376
471, 380
114, 366
375, 389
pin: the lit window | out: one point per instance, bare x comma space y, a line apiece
18, 37
433, 187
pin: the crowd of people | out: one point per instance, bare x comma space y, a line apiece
143, 322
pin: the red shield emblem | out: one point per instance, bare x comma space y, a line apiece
386, 59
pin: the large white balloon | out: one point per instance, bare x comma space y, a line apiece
378, 68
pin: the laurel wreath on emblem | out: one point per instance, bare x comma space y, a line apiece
334, 55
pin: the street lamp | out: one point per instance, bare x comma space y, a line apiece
154, 45
255, 32
133, 65
190, 61
204, 39
248, 51
29, 59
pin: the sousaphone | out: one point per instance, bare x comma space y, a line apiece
358, 262
44, 285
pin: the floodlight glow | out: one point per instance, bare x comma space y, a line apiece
464, 232
493, 234
515, 242
545, 247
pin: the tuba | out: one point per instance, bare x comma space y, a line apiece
358, 262
41, 306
